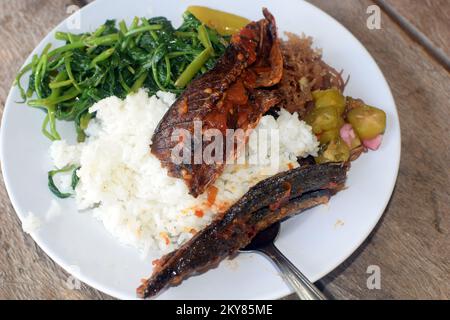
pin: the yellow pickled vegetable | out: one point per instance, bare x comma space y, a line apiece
355, 143
336, 151
329, 98
328, 136
223, 22
368, 122
323, 119
318, 94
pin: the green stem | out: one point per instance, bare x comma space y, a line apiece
186, 34
67, 36
193, 68
123, 27
102, 41
132, 71
138, 83
204, 38
155, 76
70, 94
168, 70
60, 84
133, 25
19, 76
176, 54
55, 64
74, 38
102, 57
38, 75
67, 61
143, 29
52, 121
99, 31
44, 128
123, 83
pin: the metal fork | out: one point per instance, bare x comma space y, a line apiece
264, 243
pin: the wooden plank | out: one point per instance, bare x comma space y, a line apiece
411, 243
429, 18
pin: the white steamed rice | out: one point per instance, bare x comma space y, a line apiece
125, 187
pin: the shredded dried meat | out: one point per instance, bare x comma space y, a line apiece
304, 71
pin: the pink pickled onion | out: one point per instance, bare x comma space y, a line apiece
373, 144
347, 134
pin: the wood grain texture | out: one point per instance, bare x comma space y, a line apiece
431, 17
411, 243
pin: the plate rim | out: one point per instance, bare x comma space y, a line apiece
276, 295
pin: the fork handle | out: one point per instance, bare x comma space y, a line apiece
304, 288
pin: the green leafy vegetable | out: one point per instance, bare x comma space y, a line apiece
75, 178
116, 59
51, 183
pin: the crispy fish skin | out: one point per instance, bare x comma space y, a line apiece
269, 201
233, 95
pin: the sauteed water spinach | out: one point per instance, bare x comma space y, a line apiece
114, 60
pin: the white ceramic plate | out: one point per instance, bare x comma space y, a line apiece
316, 241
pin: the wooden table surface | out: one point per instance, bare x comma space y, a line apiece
411, 244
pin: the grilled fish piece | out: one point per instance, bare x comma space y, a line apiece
233, 95
269, 201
